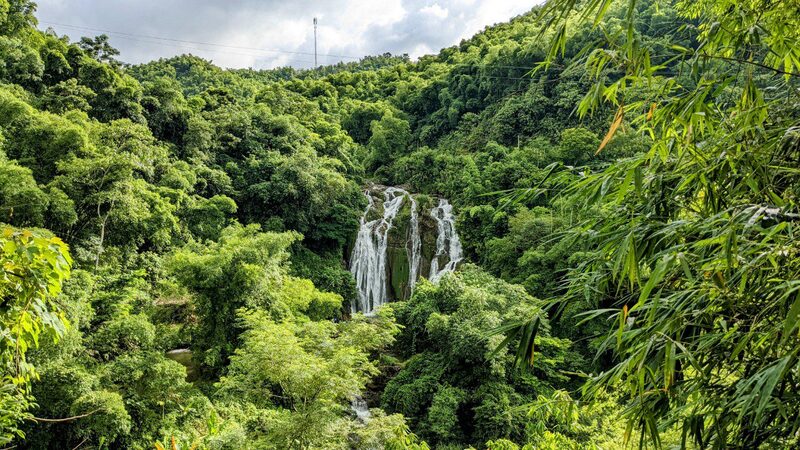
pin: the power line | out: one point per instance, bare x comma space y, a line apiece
138, 37
218, 51
148, 40
151, 38
120, 33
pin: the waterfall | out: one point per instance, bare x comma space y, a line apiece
360, 407
368, 262
447, 241
415, 253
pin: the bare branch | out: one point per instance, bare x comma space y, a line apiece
66, 419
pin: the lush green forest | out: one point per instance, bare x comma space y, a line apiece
624, 177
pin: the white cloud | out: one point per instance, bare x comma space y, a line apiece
270, 33
420, 50
435, 10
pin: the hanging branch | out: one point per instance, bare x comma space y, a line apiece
66, 419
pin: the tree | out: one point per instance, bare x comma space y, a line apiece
359, 117
454, 389
577, 146
311, 369
38, 140
519, 116
118, 94
34, 266
166, 110
22, 203
241, 270
306, 192
16, 16
22, 64
100, 49
391, 137
66, 96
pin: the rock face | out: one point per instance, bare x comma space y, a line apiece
401, 238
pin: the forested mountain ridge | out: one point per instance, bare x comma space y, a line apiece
624, 177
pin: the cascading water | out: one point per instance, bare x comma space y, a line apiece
415, 252
447, 241
360, 407
369, 260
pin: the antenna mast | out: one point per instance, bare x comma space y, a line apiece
315, 43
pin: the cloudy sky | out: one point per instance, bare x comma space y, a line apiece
270, 33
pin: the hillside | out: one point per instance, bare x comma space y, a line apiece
619, 265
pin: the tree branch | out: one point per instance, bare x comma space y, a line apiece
65, 419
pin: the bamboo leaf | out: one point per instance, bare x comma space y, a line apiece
612, 130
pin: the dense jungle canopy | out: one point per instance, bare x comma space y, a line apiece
176, 239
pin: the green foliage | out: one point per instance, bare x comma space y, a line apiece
386, 431
359, 117
520, 115
306, 192
21, 64
638, 174
242, 269
105, 382
577, 146
326, 270
123, 334
66, 96
207, 217
34, 267
310, 369
455, 389
166, 110
16, 16
442, 419
22, 203
35, 139
108, 419
118, 95
154, 391
691, 267
99, 48
390, 139
531, 252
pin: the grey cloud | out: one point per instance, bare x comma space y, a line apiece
347, 27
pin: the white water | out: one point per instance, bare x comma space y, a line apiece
368, 263
360, 407
447, 241
415, 252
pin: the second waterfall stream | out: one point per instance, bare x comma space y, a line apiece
396, 232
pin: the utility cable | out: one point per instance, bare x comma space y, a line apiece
212, 44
